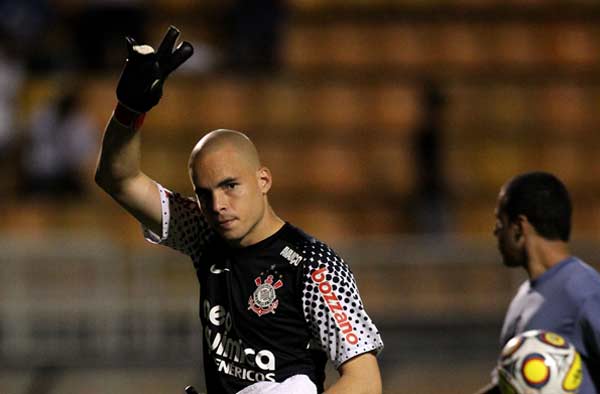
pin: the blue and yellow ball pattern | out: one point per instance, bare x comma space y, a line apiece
539, 362
535, 371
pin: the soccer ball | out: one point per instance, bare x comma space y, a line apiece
539, 362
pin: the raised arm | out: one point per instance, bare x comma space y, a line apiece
139, 89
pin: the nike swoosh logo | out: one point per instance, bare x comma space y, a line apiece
215, 270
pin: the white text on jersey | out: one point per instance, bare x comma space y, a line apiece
231, 355
291, 256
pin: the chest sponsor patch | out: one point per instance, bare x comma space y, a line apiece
264, 299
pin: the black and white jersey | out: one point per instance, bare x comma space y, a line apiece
271, 310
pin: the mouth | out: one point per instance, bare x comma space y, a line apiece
226, 224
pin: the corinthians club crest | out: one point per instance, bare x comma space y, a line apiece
264, 300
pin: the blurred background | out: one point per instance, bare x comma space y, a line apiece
389, 126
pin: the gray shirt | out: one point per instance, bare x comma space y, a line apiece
565, 300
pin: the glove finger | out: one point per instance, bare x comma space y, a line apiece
183, 52
130, 43
166, 46
156, 90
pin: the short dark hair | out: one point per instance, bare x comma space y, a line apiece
544, 200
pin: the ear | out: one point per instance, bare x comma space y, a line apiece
522, 227
265, 179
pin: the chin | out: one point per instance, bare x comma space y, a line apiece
231, 235
228, 235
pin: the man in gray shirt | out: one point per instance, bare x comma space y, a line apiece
562, 294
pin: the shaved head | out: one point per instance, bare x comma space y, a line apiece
232, 140
231, 187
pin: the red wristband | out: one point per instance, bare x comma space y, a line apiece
128, 117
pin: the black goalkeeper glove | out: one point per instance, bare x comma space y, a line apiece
145, 71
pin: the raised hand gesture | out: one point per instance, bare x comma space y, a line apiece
145, 71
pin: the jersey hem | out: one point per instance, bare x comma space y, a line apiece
376, 348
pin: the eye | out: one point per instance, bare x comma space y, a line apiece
231, 185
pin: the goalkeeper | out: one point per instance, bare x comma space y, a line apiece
562, 294
275, 303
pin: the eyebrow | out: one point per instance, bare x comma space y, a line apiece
224, 182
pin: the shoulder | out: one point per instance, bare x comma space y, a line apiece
181, 200
523, 289
583, 281
313, 257
306, 249
314, 252
184, 210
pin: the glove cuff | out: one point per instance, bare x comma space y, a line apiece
128, 117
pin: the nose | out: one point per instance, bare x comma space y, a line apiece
219, 201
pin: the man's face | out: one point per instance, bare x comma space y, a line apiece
229, 193
510, 243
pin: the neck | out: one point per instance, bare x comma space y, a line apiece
267, 226
544, 254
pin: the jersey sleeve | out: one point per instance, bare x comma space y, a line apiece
183, 226
333, 308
